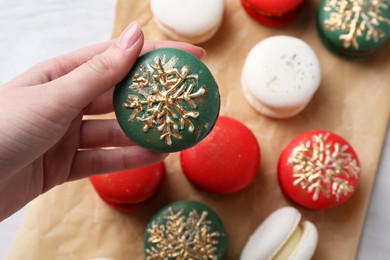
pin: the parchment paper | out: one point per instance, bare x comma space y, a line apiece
71, 222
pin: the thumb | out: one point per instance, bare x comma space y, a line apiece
85, 83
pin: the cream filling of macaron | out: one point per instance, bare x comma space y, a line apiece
274, 112
290, 244
282, 236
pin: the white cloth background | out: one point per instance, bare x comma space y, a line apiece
34, 30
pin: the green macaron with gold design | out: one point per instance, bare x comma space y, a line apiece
354, 28
185, 230
168, 102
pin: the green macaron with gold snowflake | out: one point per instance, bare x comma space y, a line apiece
185, 230
354, 28
168, 102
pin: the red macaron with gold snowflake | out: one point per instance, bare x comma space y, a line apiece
131, 189
319, 170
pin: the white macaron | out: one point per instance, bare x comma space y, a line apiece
280, 76
282, 236
193, 21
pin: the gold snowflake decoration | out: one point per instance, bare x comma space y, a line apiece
323, 167
183, 237
163, 90
357, 18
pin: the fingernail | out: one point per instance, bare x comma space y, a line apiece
129, 36
203, 53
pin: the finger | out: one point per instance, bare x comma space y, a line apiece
85, 83
103, 133
92, 162
195, 50
102, 104
56, 67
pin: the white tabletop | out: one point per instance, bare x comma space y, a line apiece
34, 30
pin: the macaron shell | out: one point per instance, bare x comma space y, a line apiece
281, 73
188, 17
132, 189
354, 28
275, 7
270, 19
318, 170
307, 245
269, 111
226, 161
182, 228
194, 39
130, 207
129, 186
340, 51
168, 102
272, 234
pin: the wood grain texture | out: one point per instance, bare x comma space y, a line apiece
70, 222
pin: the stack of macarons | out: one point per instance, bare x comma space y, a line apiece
349, 28
169, 102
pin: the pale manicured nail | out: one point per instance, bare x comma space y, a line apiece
129, 36
204, 53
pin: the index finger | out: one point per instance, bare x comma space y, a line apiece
194, 50
103, 104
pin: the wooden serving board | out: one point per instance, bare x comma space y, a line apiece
71, 222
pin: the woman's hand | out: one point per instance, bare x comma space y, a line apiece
44, 140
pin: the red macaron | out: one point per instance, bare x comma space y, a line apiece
128, 190
273, 13
226, 161
319, 170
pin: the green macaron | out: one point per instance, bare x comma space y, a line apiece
354, 28
168, 102
185, 230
